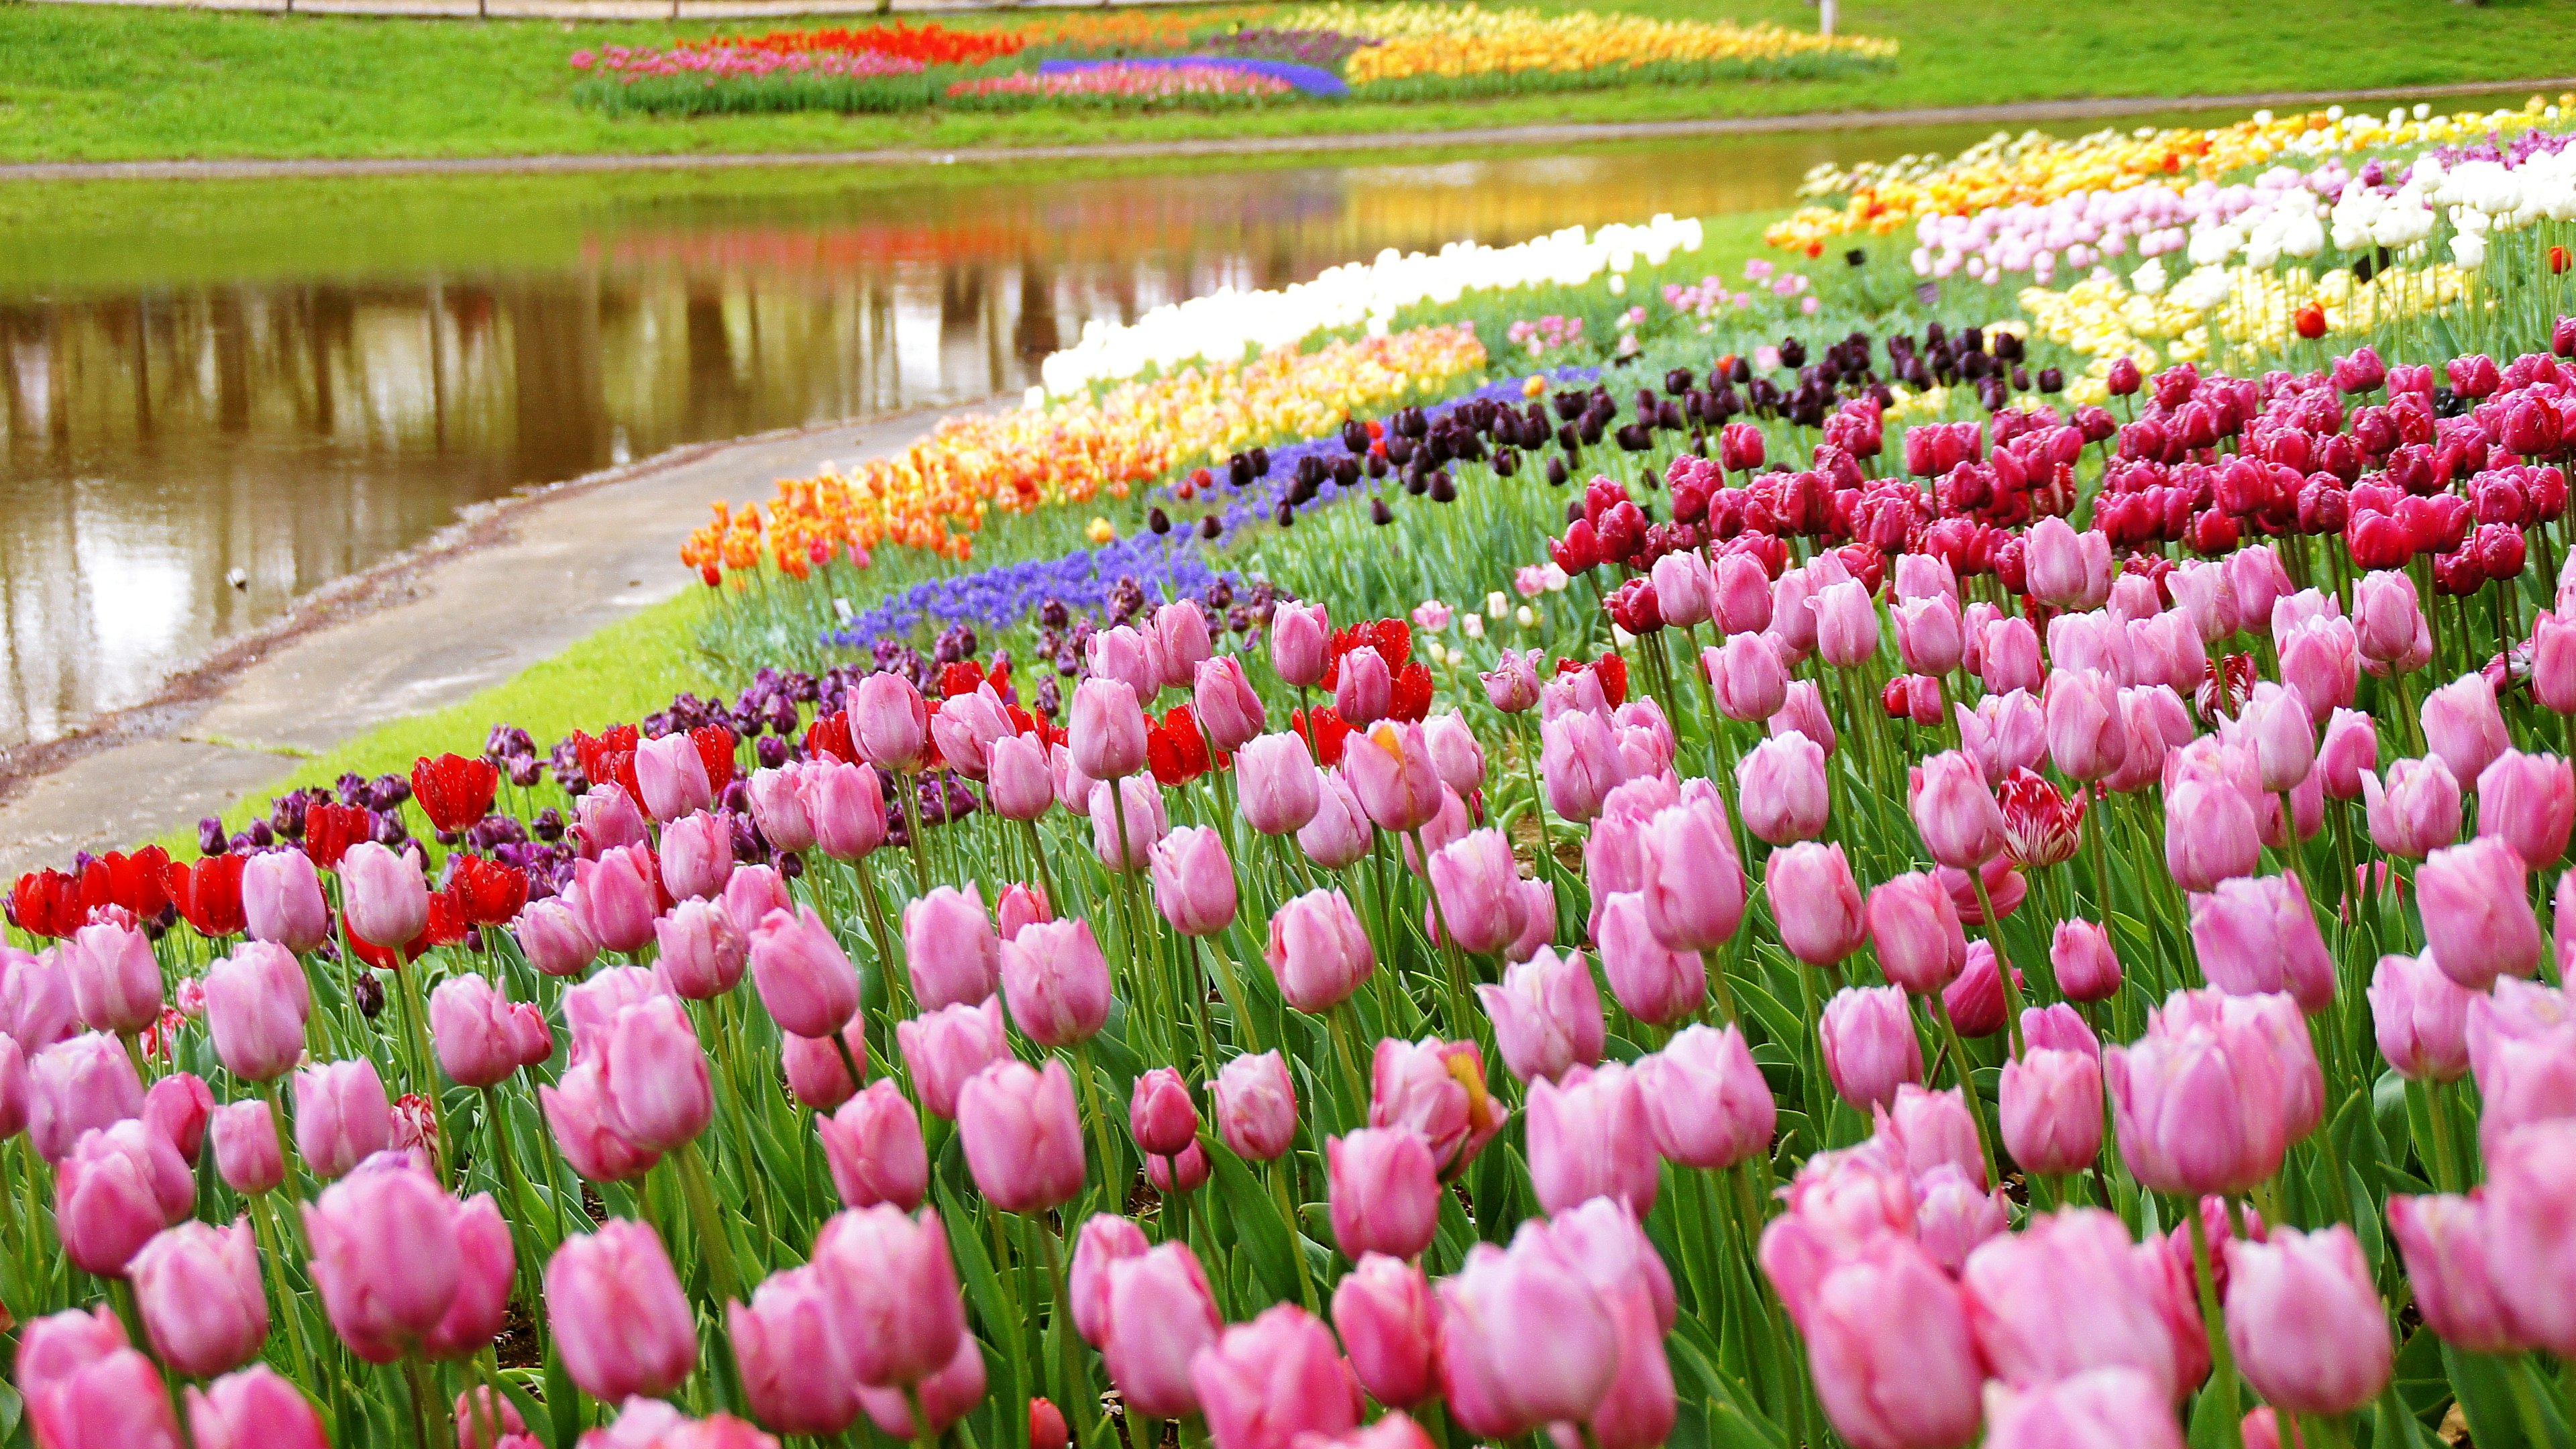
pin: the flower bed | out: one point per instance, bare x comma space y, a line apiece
725, 78
1806, 886
1457, 49
1149, 83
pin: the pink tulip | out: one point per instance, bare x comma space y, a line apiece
750, 894
555, 938
1228, 710
1747, 677
620, 1320
2081, 958
76, 1085
2321, 663
1106, 1239
487, 1260
1740, 594
1318, 952
385, 899
1160, 1113
1953, 1215
13, 1088
1022, 1137
282, 900
787, 1343
2531, 1179
966, 727
2444, 1241
2464, 727
950, 952
697, 855
898, 1288
1651, 982
874, 1149
1921, 945
2529, 802
482, 1036
2553, 662
672, 777
616, 897
847, 804
1436, 1088
1546, 1014
2088, 736
256, 1003
2349, 751
1270, 1382
1256, 1107
804, 977
654, 1087
702, 953
2052, 1110
2477, 924
1805, 715
1385, 1192
1846, 624
1194, 881
2005, 655
2111, 1408
2073, 1294
2420, 1016
1601, 1242
1108, 729
2257, 934
590, 1007
946, 1397
1157, 1316
1022, 905
778, 807
35, 999
2417, 811
605, 818
2198, 1110
2304, 1318
388, 1260
1781, 787
1869, 1044
889, 721
817, 1075
1588, 1138
1706, 1104
1816, 902
2004, 733
178, 1107
2210, 831
1391, 769
115, 979
1339, 832
1299, 643
1693, 884
247, 1153
1889, 1350
1056, 982
342, 1116
1127, 820
1276, 779
1930, 637
1512, 685
1385, 1314
120, 1185
1016, 778
944, 1048
1524, 1341
2066, 569
1363, 687
116, 1401
254, 1409
1922, 1130
1579, 763
1538, 921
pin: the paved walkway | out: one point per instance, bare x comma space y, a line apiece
2019, 112
503, 589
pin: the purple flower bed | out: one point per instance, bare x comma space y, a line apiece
1167, 565
1305, 78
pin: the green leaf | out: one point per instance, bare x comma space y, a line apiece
983, 1287
2421, 1382
1730, 1424
2486, 1398
1265, 1239
563, 1423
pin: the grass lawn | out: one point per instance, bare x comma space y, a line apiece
83, 83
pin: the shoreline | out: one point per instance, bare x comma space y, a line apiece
1539, 135
509, 584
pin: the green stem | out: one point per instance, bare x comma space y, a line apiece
1108, 1147
701, 1197
424, 1076
2222, 1373
1967, 1087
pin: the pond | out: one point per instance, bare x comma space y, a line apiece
216, 397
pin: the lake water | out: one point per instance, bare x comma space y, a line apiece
286, 381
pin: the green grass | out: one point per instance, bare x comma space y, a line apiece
84, 83
619, 673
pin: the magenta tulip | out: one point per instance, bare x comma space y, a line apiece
620, 1320
950, 952
1385, 1192
804, 977
1056, 982
944, 1048
1022, 1137
1256, 1107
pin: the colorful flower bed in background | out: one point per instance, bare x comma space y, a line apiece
1399, 51
1450, 49
1804, 884
1126, 83
726, 78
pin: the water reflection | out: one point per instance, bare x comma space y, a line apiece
255, 396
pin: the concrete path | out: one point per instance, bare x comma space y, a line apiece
2014, 113
506, 587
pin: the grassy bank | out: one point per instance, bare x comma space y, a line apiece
117, 84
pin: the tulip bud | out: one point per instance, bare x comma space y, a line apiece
115, 979
2080, 957
620, 1320
1588, 1138
617, 896
247, 1152
2257, 934
1383, 1311
654, 1087
76, 1085
847, 805
697, 855
1524, 1340
2052, 1110
1385, 1192
256, 1003
1056, 982
874, 1149
385, 898
2417, 811
804, 977
2420, 1016
1318, 952
342, 1116
1887, 1315
2464, 727
818, 1076
2101, 1407
1299, 641
1022, 1137
1546, 1014
2304, 1318
1108, 731
945, 1048
2529, 802
1256, 1107
789, 1327
1921, 945
1869, 1044
554, 938
949, 949
702, 950
1277, 782
1127, 821
2444, 1240
889, 721
1228, 709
